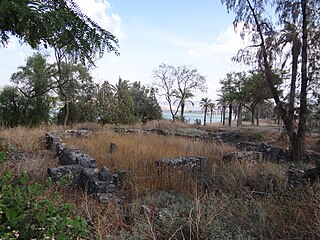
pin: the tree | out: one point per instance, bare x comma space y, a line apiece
254, 92
124, 106
178, 85
163, 78
10, 106
69, 80
106, 102
58, 24
34, 81
187, 82
146, 106
302, 16
205, 104
211, 107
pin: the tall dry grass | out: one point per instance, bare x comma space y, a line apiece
26, 151
239, 199
137, 154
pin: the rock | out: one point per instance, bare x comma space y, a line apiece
312, 174
72, 170
69, 156
77, 133
81, 169
105, 174
270, 153
313, 157
184, 163
251, 156
90, 180
52, 140
295, 176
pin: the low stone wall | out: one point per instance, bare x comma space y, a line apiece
184, 163
81, 169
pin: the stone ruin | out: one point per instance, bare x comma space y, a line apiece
81, 169
183, 163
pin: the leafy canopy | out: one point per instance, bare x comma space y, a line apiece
58, 24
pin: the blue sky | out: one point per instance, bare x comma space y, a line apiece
194, 33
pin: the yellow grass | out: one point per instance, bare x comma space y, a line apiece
137, 153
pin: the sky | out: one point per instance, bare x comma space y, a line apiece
198, 34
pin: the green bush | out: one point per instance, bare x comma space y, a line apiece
26, 212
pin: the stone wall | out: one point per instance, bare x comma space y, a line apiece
81, 169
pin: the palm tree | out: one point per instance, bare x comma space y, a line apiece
183, 98
204, 104
211, 107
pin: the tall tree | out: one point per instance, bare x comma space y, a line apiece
178, 85
146, 106
205, 104
68, 81
34, 81
188, 80
123, 103
164, 80
59, 24
211, 108
302, 15
10, 109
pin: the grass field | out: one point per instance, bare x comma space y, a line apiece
235, 200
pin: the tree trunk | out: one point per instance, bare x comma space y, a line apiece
239, 121
304, 83
230, 114
211, 113
205, 116
182, 111
224, 115
252, 116
258, 115
66, 115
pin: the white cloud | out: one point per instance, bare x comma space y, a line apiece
224, 47
98, 10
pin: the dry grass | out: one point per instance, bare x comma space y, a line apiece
234, 200
137, 153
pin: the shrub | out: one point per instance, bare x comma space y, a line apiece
27, 213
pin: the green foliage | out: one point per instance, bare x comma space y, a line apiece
180, 217
197, 121
205, 104
58, 24
146, 106
26, 213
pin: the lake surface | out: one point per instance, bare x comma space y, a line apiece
191, 117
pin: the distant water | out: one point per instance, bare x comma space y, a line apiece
191, 117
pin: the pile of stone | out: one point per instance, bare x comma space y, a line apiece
269, 153
184, 163
81, 169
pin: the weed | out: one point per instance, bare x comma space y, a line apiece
27, 213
